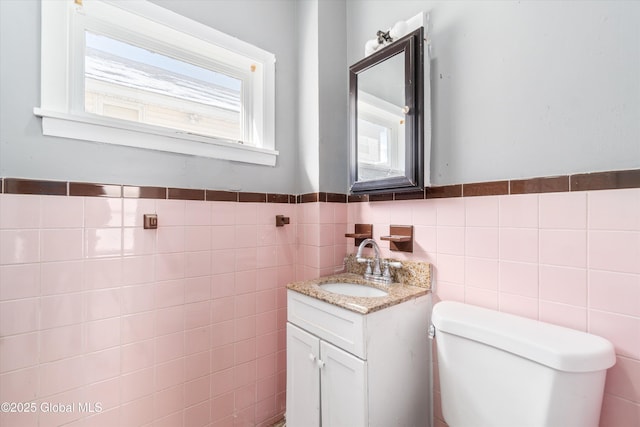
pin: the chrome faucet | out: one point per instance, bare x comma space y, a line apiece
376, 260
376, 274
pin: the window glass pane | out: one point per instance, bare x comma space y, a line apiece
131, 83
372, 142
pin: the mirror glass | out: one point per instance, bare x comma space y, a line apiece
381, 139
386, 93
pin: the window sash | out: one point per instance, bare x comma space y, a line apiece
169, 98
63, 74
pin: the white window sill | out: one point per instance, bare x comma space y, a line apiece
150, 137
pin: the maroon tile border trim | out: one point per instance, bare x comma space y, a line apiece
278, 198
31, 186
334, 198
252, 197
494, 188
446, 191
221, 196
606, 180
308, 198
357, 198
134, 192
94, 190
322, 197
540, 185
410, 195
578, 182
381, 197
185, 194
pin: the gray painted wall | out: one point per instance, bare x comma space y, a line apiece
519, 89
523, 88
308, 170
333, 96
322, 98
24, 152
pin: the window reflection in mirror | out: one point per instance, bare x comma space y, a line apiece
381, 122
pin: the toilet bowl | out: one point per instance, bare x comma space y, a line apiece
501, 370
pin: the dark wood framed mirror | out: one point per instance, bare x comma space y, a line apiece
386, 118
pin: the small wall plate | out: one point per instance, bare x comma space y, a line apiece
401, 238
150, 221
281, 220
362, 231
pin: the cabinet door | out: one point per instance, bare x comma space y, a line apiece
344, 388
303, 378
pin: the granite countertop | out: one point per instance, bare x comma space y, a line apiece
398, 293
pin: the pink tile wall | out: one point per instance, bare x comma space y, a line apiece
321, 230
183, 325
572, 259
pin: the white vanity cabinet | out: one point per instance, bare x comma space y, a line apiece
350, 369
321, 372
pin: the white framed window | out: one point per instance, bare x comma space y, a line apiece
133, 73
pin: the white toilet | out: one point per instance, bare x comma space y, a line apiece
501, 370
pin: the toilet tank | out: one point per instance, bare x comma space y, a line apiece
497, 369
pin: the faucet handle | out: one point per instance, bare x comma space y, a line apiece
368, 271
394, 264
362, 260
386, 273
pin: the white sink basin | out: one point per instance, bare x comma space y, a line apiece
353, 290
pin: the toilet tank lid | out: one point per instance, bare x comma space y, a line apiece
560, 348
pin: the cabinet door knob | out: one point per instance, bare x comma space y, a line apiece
312, 357
320, 364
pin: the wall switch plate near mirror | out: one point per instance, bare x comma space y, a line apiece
389, 115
